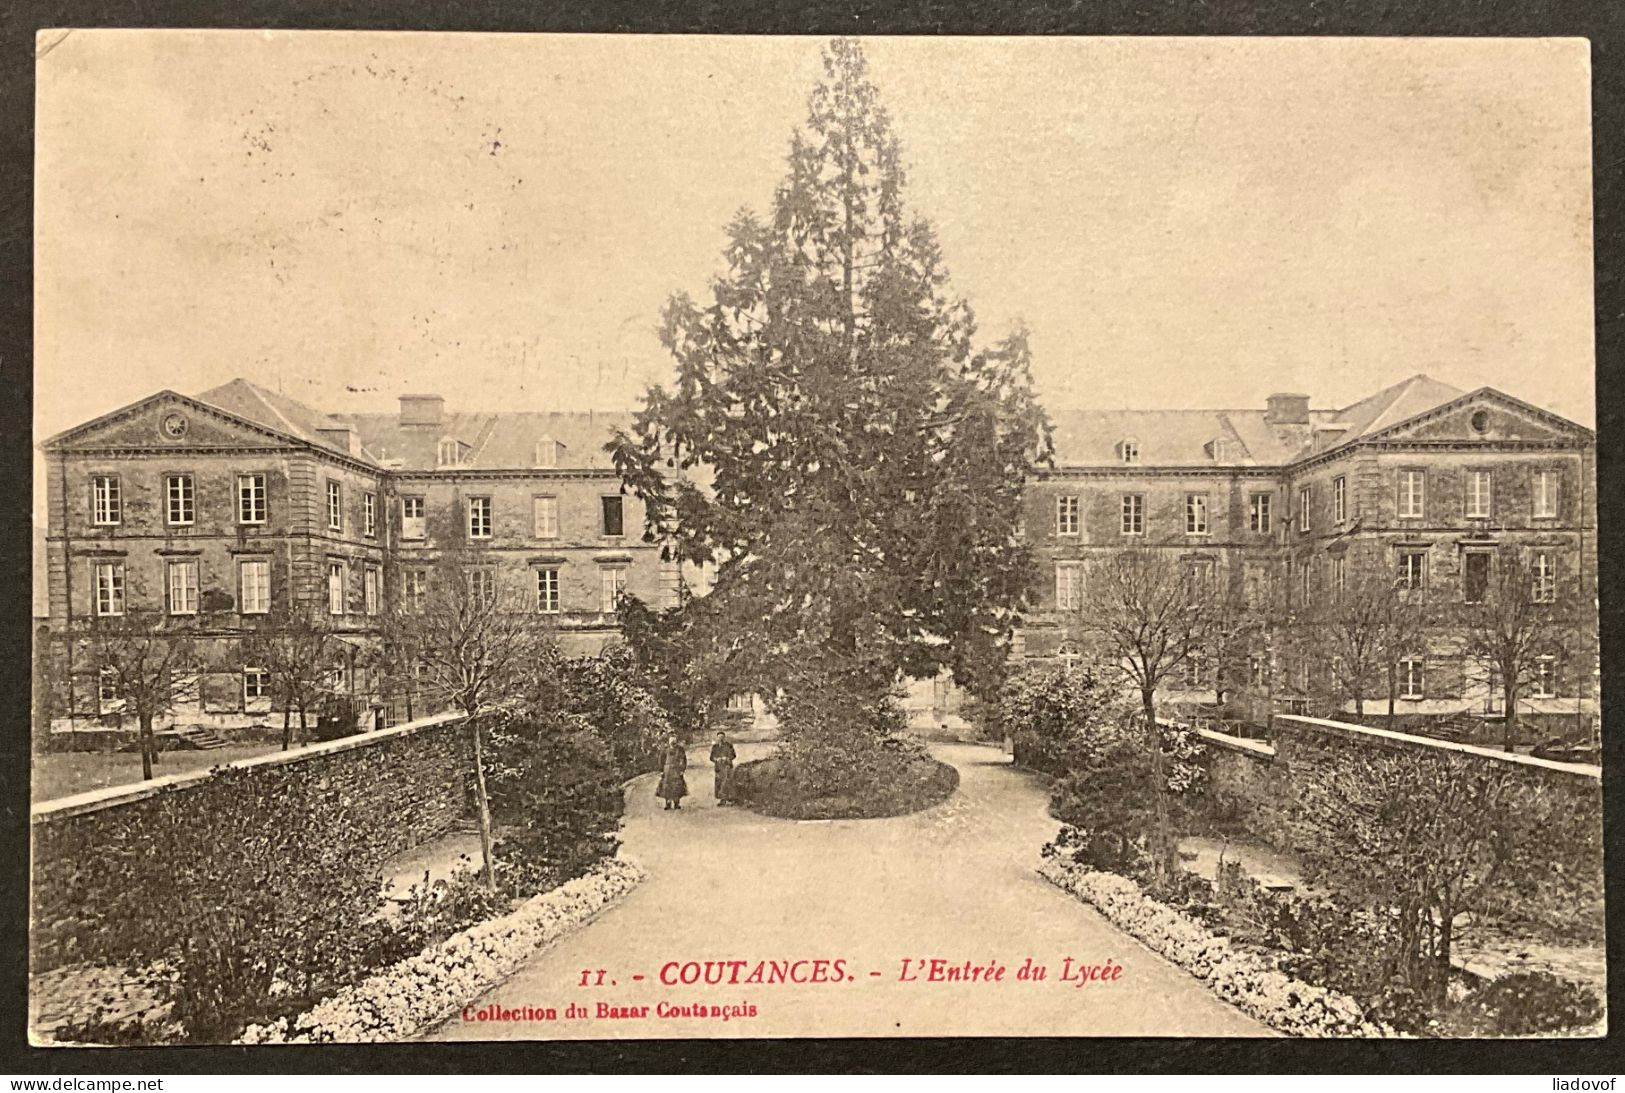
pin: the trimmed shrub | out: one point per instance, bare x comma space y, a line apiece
404, 999
555, 794
1526, 1004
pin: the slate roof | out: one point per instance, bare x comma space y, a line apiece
1184, 438
274, 411
496, 441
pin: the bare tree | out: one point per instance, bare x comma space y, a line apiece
297, 651
146, 663
1523, 620
470, 641
1150, 614
1359, 633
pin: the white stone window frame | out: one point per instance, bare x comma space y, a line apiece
180, 500
1131, 508
414, 525
108, 588
252, 498
253, 605
1412, 498
1068, 515
106, 500
1198, 514
182, 596
549, 578
1480, 503
1260, 517
480, 517
1413, 678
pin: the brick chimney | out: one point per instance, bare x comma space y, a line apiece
1287, 409
422, 409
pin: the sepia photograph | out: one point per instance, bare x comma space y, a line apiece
557, 537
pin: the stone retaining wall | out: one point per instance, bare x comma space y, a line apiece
364, 798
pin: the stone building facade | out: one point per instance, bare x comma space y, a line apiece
1419, 479
240, 506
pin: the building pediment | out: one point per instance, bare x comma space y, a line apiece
1485, 416
168, 421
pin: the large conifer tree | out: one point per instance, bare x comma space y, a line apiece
834, 443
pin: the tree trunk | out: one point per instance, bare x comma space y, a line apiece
484, 803
1163, 851
1509, 699
1393, 696
1441, 957
147, 747
287, 726
302, 725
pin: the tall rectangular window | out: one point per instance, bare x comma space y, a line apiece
613, 517
180, 507
1546, 487
1340, 499
1545, 682
1196, 514
611, 583
482, 586
1543, 567
1303, 508
183, 588
1068, 586
1475, 577
479, 517
1258, 513
1134, 514
414, 589
1066, 515
369, 514
546, 513
547, 591
1413, 569
335, 506
251, 499
106, 501
108, 698
256, 685
335, 588
1478, 494
1412, 678
254, 587
413, 524
1339, 574
1412, 494
369, 589
109, 588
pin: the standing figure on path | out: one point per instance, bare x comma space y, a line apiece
722, 761
673, 786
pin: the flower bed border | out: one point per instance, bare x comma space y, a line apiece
1245, 980
406, 998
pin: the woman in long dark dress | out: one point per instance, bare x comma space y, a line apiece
673, 786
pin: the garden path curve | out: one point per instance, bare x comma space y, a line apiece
955, 881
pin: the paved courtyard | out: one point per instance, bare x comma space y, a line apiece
955, 882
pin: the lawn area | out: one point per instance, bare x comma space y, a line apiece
67, 773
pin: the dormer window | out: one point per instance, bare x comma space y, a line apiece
1216, 449
450, 452
1128, 450
547, 453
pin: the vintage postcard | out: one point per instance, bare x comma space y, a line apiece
592, 537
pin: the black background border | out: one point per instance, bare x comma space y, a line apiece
1600, 22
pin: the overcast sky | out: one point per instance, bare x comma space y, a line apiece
1180, 222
